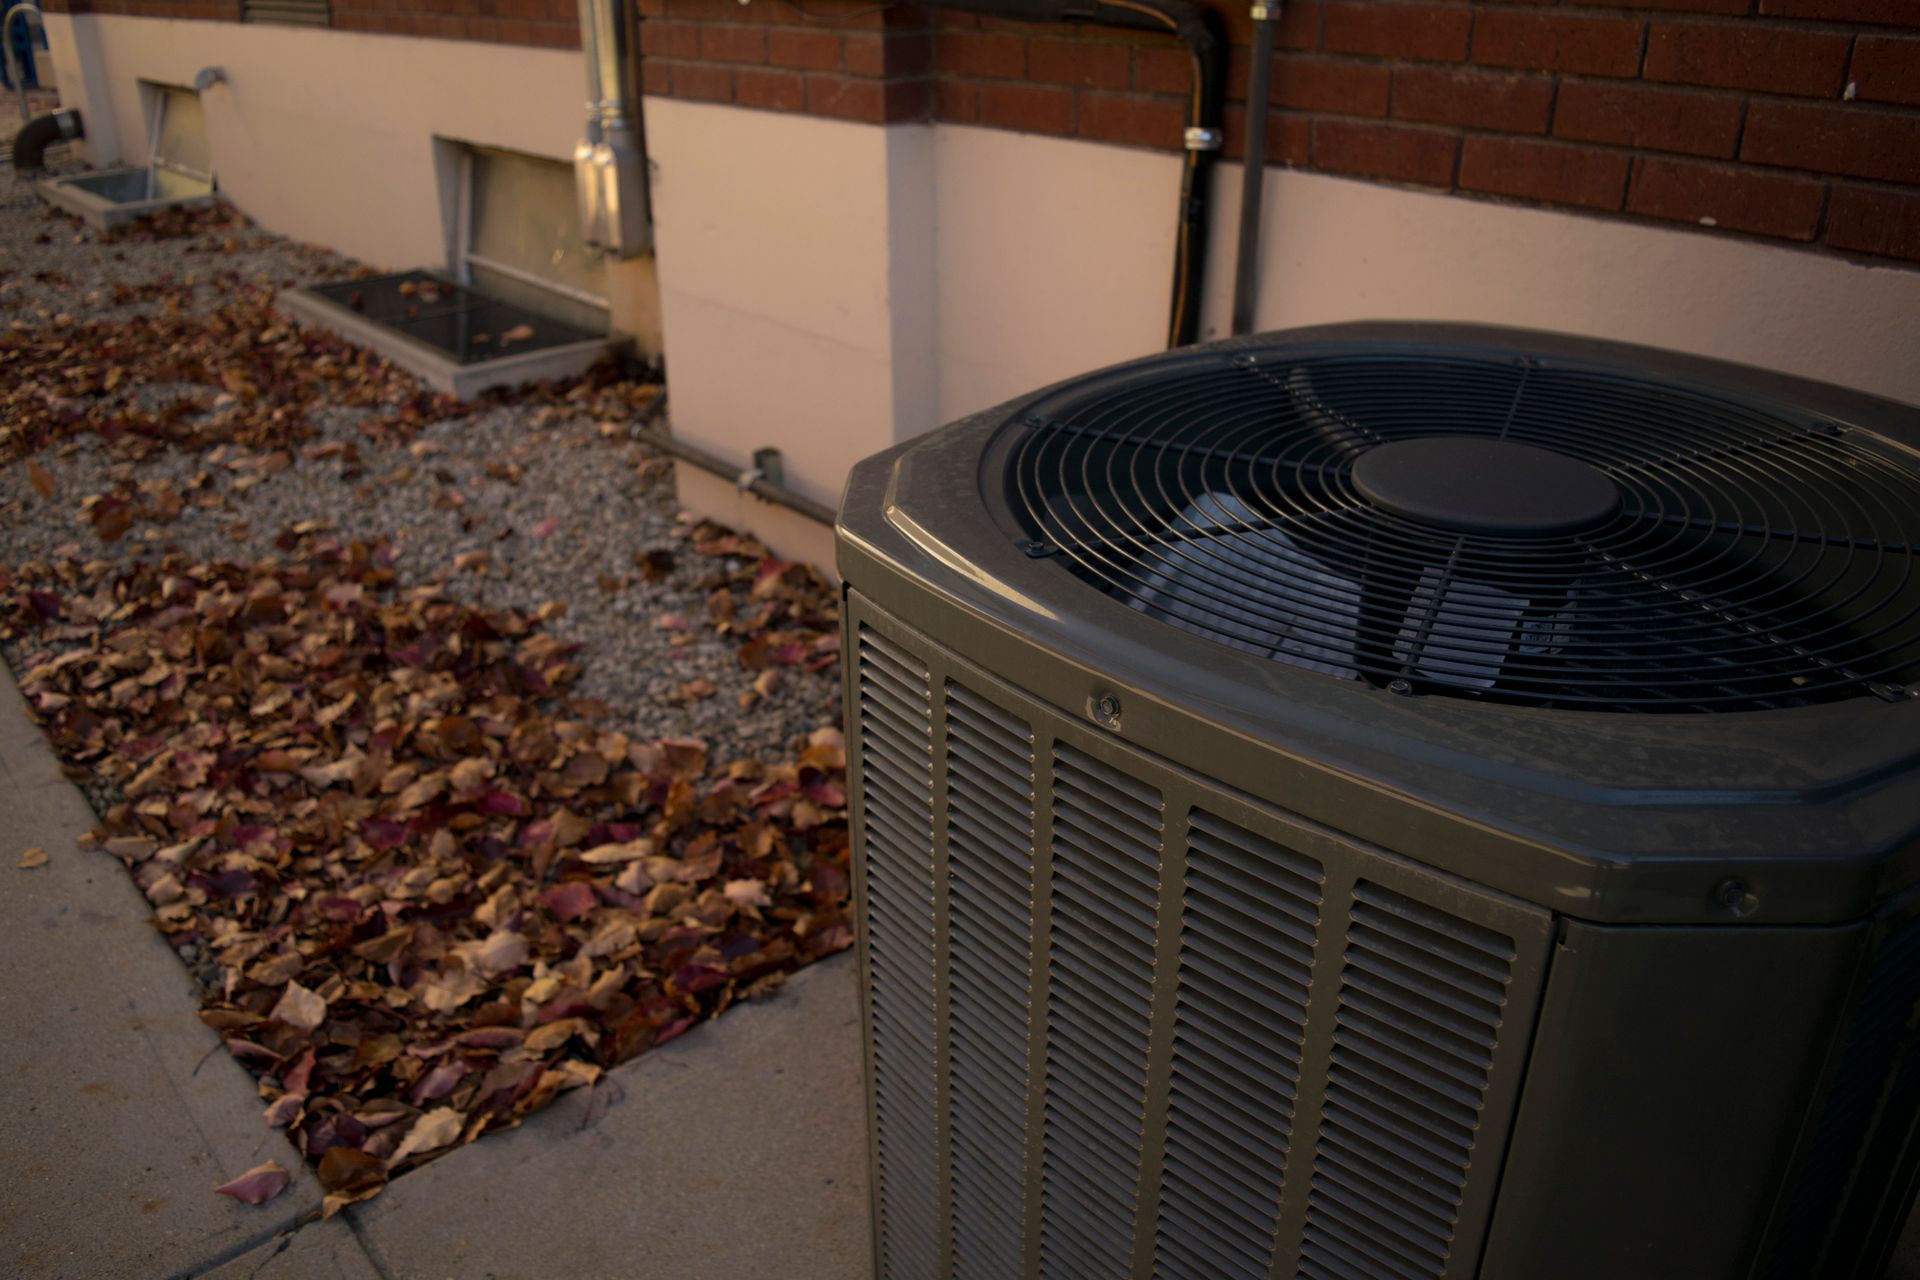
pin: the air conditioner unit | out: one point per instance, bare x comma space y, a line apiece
1386, 802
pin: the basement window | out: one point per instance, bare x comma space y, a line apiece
299, 13
516, 237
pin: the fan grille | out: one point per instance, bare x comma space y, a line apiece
1759, 557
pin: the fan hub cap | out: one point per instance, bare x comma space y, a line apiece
1498, 488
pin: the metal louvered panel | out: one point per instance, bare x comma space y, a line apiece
1125, 1024
1104, 912
990, 837
897, 821
1249, 925
1422, 997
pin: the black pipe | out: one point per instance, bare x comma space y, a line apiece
36, 135
1246, 256
1199, 30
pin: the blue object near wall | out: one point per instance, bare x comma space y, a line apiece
21, 36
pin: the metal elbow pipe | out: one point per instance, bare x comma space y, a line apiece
1199, 30
609, 166
31, 143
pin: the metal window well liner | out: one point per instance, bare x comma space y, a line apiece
1391, 802
113, 198
453, 338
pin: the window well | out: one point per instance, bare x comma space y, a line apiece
177, 175
453, 337
522, 297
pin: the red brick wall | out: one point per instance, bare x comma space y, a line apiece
1792, 119
217, 10
840, 58
549, 23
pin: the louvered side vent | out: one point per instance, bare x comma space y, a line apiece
1248, 926
1422, 994
896, 779
1864, 1128
990, 895
1106, 886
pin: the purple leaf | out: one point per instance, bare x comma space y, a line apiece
257, 1185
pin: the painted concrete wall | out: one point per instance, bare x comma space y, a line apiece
1055, 257
327, 136
795, 285
1075, 272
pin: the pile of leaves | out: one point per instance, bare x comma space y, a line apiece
423, 891
263, 375
214, 221
259, 378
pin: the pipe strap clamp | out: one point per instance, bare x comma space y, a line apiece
1199, 139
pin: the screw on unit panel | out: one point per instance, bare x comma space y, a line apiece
1404, 687
1105, 710
1735, 898
1036, 548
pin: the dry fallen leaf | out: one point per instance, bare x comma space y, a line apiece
300, 1008
257, 1185
35, 857
42, 479
429, 1133
419, 875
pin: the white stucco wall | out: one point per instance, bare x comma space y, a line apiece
327, 136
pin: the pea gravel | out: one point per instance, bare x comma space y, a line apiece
521, 505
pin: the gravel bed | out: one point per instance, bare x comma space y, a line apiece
521, 504
55, 270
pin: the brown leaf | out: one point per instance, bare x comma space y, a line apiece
42, 479
345, 1169
299, 1008
430, 1132
34, 857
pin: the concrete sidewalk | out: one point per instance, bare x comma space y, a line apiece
738, 1150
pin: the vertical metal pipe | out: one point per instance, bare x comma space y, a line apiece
1246, 266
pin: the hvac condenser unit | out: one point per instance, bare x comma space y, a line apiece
1387, 802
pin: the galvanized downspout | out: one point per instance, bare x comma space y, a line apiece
610, 173
1246, 255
